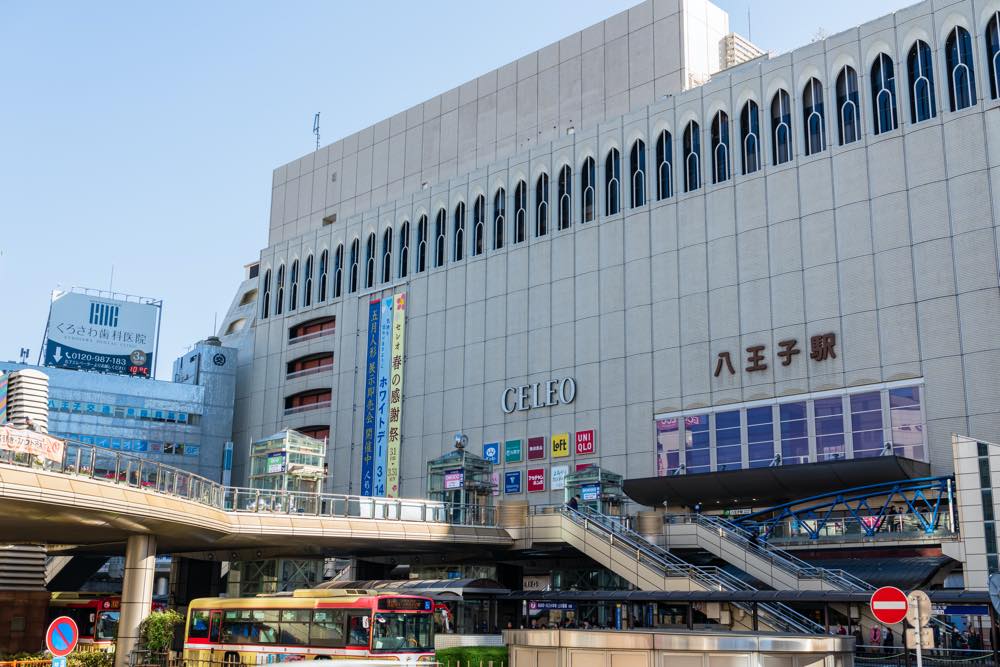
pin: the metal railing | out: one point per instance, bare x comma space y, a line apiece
97, 463
896, 656
710, 578
778, 558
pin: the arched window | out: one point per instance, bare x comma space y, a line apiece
692, 157
421, 244
542, 205
637, 172
884, 94
588, 189
664, 165
921, 89
479, 226
265, 308
565, 196
459, 231
993, 53
324, 270
520, 212
370, 261
781, 127
404, 249
338, 271
307, 283
750, 137
720, 147
387, 255
499, 217
961, 69
440, 225
813, 117
612, 182
293, 296
848, 106
355, 258
279, 302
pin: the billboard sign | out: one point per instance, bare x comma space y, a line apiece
512, 451
585, 442
536, 479
454, 479
491, 452
560, 445
536, 448
512, 481
559, 477
96, 333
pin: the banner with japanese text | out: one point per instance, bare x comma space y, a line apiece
382, 396
371, 381
23, 441
396, 395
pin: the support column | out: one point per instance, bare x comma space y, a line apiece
137, 593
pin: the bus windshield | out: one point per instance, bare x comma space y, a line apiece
402, 632
107, 625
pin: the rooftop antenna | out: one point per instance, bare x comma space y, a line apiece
316, 128
111, 282
749, 31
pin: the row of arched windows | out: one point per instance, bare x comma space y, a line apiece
361, 270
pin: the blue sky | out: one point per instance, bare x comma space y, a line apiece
143, 136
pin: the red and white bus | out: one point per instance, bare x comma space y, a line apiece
310, 624
96, 615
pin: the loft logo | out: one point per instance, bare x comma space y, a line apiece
538, 395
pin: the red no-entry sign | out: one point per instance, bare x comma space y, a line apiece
889, 605
61, 637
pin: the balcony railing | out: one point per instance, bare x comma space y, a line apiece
112, 467
311, 336
312, 370
309, 406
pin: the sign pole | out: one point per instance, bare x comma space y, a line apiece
920, 627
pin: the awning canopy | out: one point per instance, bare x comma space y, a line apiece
771, 486
443, 589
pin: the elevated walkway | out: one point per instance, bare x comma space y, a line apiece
648, 566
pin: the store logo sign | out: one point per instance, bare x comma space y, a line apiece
538, 395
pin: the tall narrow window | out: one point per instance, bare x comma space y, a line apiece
848, 106
637, 173
664, 166
565, 197
720, 147
324, 270
404, 249
279, 305
293, 289
612, 182
387, 255
499, 217
459, 232
813, 117
479, 226
750, 137
338, 271
588, 189
265, 307
993, 54
884, 94
781, 127
921, 88
692, 157
520, 212
355, 258
542, 205
961, 72
421, 244
307, 283
440, 225
370, 261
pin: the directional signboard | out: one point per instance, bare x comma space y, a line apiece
919, 610
889, 605
61, 637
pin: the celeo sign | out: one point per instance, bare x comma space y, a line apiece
538, 395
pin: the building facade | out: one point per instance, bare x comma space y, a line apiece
793, 260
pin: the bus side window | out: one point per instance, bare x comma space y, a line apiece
216, 627
357, 629
198, 628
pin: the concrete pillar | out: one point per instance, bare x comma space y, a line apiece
137, 593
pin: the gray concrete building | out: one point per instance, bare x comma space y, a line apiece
790, 261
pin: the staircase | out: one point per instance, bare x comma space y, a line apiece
652, 567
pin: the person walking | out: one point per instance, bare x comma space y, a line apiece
574, 503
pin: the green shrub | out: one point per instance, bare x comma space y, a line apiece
157, 631
23, 655
471, 656
90, 659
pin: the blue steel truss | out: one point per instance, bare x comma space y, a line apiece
867, 505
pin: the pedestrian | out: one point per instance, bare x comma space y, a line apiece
574, 503
697, 507
875, 638
888, 641
842, 630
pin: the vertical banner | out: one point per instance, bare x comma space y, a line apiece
382, 396
3, 398
396, 395
371, 380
